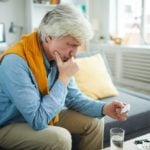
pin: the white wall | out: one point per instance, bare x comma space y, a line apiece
99, 16
17, 10
12, 11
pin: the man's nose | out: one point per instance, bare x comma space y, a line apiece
72, 52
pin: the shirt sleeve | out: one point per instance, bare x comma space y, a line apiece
19, 84
78, 101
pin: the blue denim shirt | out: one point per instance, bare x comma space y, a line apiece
21, 101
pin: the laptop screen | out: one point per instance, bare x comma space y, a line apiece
2, 33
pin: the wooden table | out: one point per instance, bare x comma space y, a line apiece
129, 145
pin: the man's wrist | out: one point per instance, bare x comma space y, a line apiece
103, 110
64, 80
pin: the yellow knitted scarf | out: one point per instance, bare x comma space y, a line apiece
30, 50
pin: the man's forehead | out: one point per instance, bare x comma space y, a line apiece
72, 39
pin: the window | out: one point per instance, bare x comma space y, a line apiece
146, 21
132, 21
2, 32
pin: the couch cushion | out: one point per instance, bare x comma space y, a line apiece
138, 115
93, 78
94, 52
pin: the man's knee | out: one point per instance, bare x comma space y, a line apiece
97, 124
100, 122
62, 140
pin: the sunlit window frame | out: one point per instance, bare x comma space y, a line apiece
114, 24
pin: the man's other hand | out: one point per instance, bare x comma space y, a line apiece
113, 110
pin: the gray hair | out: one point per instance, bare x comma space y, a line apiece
65, 20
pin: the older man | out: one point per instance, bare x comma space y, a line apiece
36, 82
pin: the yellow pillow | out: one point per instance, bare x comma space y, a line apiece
93, 78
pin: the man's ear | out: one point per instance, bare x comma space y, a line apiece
47, 39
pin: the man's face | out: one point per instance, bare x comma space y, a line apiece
66, 47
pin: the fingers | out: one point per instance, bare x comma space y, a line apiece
72, 60
117, 107
119, 104
58, 59
121, 116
